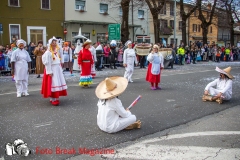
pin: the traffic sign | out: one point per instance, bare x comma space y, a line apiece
114, 32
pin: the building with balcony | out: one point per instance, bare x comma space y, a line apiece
166, 18
31, 20
195, 30
94, 17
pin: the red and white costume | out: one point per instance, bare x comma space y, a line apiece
53, 86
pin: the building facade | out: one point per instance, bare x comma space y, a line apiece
195, 30
31, 20
94, 17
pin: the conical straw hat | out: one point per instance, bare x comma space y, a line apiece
111, 87
225, 71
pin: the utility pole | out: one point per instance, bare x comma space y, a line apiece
132, 24
175, 23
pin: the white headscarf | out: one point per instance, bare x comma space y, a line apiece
127, 43
21, 41
50, 40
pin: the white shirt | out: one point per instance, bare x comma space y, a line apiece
223, 85
108, 113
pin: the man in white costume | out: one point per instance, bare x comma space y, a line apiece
21, 67
93, 51
223, 90
112, 117
129, 57
53, 84
76, 52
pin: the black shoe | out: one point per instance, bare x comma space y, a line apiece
38, 76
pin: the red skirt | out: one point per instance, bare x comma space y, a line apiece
150, 77
86, 68
46, 88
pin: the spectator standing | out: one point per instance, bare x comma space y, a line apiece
38, 52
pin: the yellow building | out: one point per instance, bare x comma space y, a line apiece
195, 30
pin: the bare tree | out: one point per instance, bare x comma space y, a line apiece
185, 16
124, 26
155, 7
206, 20
230, 11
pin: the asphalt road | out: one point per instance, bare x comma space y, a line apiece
72, 125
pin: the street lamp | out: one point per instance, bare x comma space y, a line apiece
174, 24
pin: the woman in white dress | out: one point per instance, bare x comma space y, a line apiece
223, 90
129, 57
112, 117
54, 84
21, 67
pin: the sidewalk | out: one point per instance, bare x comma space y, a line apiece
213, 137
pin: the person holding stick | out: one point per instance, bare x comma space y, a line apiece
112, 117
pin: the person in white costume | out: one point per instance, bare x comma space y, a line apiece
53, 84
129, 57
223, 90
67, 57
112, 117
21, 67
76, 52
93, 51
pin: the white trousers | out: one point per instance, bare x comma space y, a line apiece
22, 86
129, 72
123, 123
214, 92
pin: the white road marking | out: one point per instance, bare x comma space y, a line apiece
43, 124
151, 149
170, 100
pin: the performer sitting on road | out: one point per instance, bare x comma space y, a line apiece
112, 117
223, 85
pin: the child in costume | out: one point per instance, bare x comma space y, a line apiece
112, 117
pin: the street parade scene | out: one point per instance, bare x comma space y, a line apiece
92, 87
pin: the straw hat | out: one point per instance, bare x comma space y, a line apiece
21, 41
225, 71
111, 87
88, 41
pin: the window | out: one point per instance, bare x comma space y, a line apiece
163, 23
172, 41
80, 5
140, 14
87, 35
194, 27
36, 35
172, 9
210, 29
103, 8
120, 11
14, 30
172, 24
14, 3
45, 4
180, 25
101, 37
163, 10
199, 28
